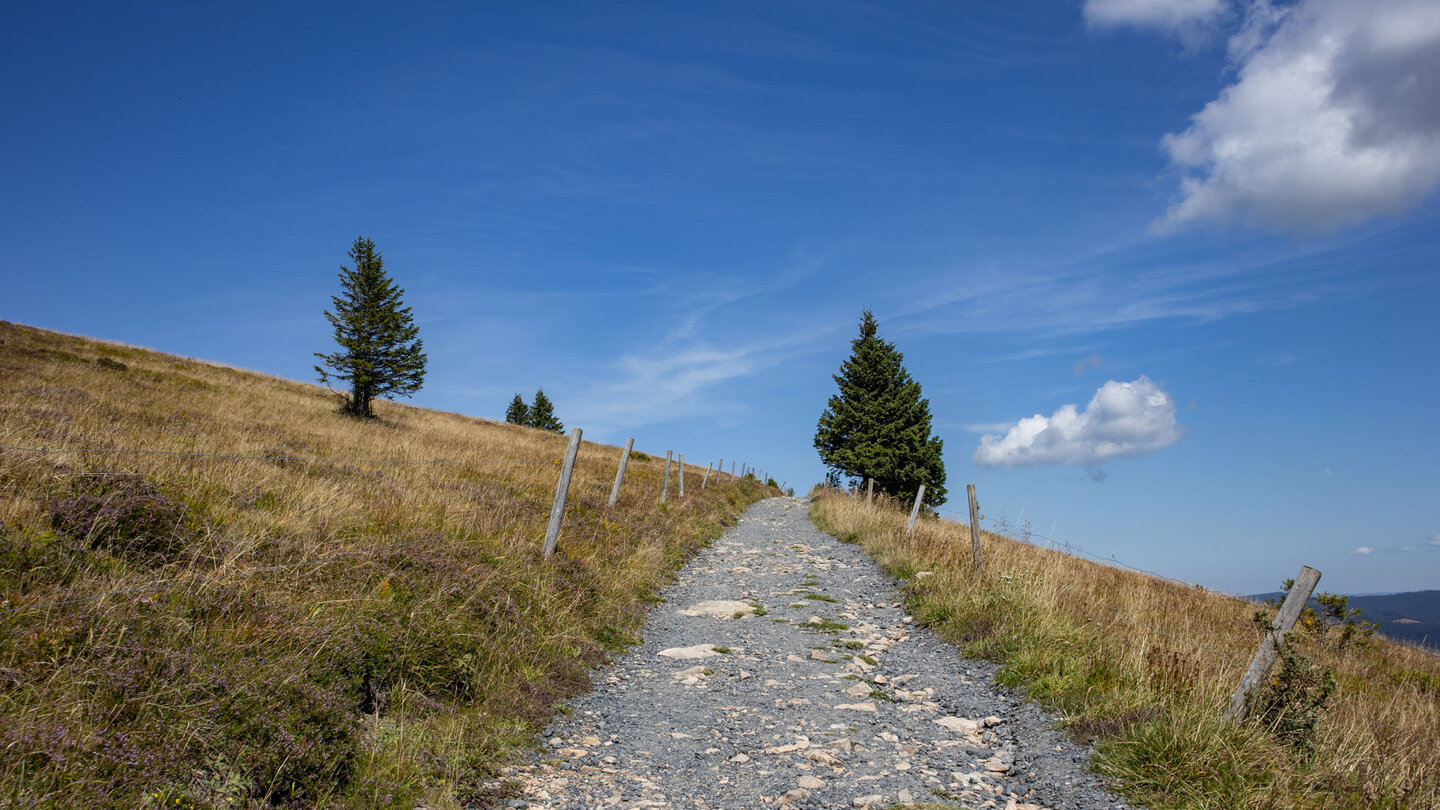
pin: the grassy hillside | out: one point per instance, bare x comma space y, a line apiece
1145, 667
293, 623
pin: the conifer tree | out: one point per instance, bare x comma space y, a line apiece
542, 414
518, 413
380, 351
878, 425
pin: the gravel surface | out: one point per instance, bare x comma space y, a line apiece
826, 696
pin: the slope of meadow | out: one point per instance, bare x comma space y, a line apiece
302, 625
1145, 668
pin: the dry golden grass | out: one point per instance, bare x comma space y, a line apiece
1146, 666
336, 632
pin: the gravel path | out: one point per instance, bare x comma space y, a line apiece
826, 696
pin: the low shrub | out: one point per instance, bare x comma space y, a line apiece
123, 513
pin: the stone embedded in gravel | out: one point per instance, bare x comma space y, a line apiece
796, 795
823, 757
859, 690
873, 800
697, 651
958, 724
739, 758
718, 607
809, 782
867, 706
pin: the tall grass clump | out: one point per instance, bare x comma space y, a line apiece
294, 624
1144, 667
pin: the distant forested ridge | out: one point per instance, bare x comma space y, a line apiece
1412, 617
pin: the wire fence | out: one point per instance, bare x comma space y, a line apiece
7, 609
161, 584
1190, 642
241, 457
1077, 550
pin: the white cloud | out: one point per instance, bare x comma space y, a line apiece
1122, 419
1364, 550
1435, 541
1163, 15
1334, 118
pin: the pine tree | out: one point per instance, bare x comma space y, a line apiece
380, 352
878, 425
518, 413
542, 414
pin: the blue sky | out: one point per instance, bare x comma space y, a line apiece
1208, 225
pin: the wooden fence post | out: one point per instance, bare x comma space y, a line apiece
870, 494
665, 487
620, 473
720, 471
680, 467
704, 482
732, 468
562, 488
974, 524
1274, 642
915, 510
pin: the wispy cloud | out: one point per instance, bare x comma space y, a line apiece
1185, 18
1275, 359
1363, 550
1089, 361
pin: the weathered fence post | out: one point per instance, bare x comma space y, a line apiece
720, 471
680, 467
915, 510
620, 473
974, 524
704, 482
665, 487
1274, 642
870, 494
562, 488
732, 468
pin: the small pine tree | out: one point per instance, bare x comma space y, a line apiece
878, 425
380, 351
542, 414
518, 413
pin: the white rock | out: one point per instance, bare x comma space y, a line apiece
958, 724
858, 690
739, 758
718, 607
823, 757
867, 706
697, 671
992, 721
698, 651
873, 800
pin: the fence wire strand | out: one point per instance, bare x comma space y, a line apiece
239, 457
